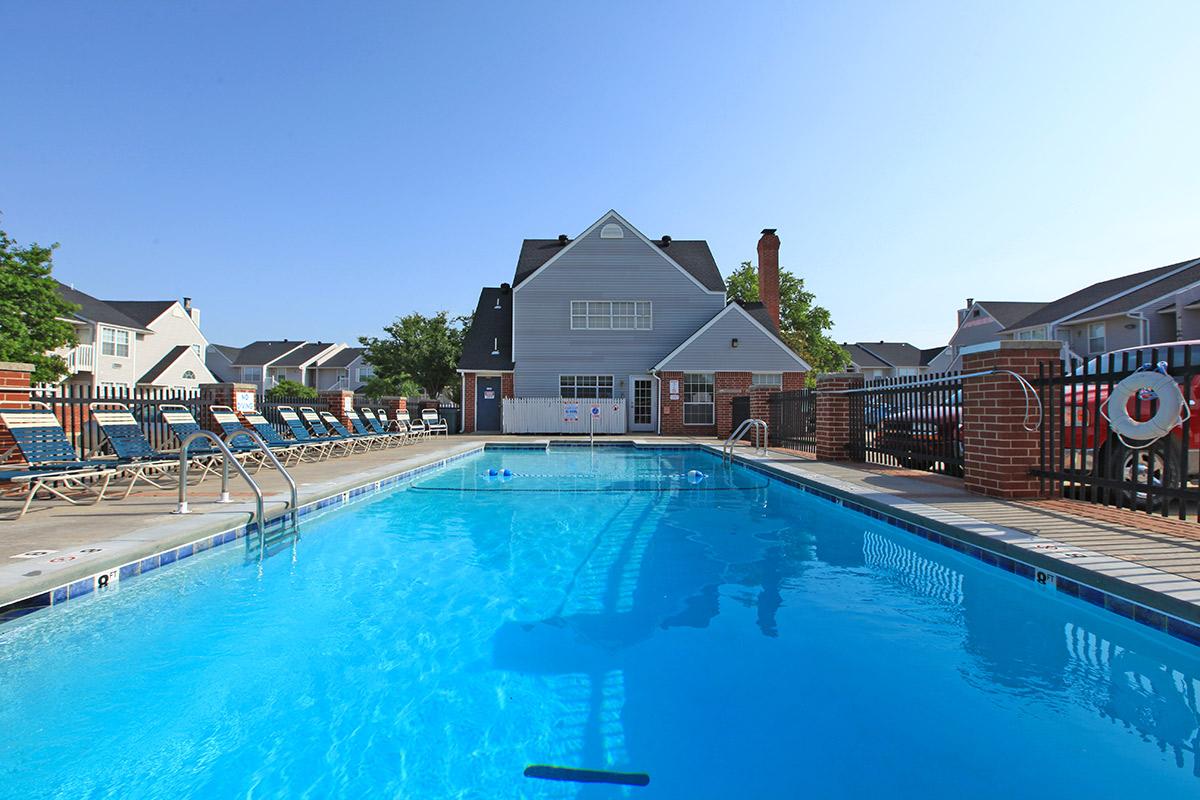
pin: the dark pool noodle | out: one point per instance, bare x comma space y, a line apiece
550, 773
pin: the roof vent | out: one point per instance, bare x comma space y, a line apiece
563, 239
505, 288
612, 231
495, 346
666, 241
497, 306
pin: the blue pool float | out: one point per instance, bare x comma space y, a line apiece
695, 476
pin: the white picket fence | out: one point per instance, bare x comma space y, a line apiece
556, 415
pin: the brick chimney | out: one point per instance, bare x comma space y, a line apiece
768, 272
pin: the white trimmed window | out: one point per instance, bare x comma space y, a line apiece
1096, 339
1034, 334
365, 372
252, 374
767, 380
583, 387
698, 394
617, 315
114, 342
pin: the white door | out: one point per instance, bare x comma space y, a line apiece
641, 403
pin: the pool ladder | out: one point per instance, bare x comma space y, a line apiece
760, 444
286, 532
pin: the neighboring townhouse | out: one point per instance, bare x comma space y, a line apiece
219, 359
892, 359
267, 362
125, 344
614, 314
344, 369
1157, 305
983, 321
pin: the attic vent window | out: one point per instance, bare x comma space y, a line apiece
188, 375
612, 231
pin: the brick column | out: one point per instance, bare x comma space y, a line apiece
728, 385
393, 404
336, 403
833, 415
14, 385
224, 394
997, 450
507, 386
670, 412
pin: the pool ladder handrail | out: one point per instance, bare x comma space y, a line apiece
227, 457
760, 444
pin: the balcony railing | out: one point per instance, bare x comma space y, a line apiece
81, 358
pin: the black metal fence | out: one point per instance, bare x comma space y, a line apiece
913, 422
793, 420
71, 404
1082, 458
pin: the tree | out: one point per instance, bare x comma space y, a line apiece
32, 311
417, 351
802, 324
291, 390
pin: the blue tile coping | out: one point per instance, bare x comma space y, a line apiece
1172, 616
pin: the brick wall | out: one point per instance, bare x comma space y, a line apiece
14, 378
468, 402
833, 415
728, 386
670, 411
997, 450
221, 394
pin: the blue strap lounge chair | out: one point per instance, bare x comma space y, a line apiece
434, 423
241, 444
182, 424
379, 427
135, 456
294, 450
301, 434
313, 420
364, 440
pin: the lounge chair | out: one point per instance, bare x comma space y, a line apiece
235, 436
301, 434
301, 451
51, 463
135, 456
378, 424
364, 439
434, 423
416, 429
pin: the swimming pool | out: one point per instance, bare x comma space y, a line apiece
730, 636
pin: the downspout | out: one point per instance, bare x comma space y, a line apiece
658, 399
462, 404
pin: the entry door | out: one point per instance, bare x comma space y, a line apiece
641, 403
487, 404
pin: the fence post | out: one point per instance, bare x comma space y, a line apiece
222, 394
340, 403
14, 386
998, 453
833, 414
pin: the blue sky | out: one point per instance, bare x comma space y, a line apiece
311, 171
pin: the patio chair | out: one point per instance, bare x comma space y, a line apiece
365, 440
136, 457
378, 423
239, 442
300, 451
416, 428
300, 433
434, 423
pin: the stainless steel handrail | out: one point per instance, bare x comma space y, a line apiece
228, 457
287, 476
760, 444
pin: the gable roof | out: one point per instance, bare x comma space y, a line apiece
143, 311
491, 329
1006, 312
342, 358
863, 358
753, 313
302, 355
1171, 283
163, 363
1097, 295
692, 256
930, 353
230, 353
92, 309
256, 354
895, 354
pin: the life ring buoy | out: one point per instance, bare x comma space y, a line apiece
1170, 412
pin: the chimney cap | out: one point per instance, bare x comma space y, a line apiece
504, 288
187, 304
563, 238
769, 231
666, 240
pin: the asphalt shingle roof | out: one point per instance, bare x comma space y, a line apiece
343, 357
144, 311
158, 369
92, 309
693, 255
265, 351
490, 330
895, 354
1007, 312
863, 358
303, 354
1073, 304
1166, 285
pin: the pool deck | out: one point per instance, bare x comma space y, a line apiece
1148, 560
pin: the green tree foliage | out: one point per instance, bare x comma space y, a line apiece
802, 323
287, 390
417, 351
31, 310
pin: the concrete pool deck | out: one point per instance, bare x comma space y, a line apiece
1151, 561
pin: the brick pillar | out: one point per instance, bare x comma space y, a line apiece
338, 403
833, 415
794, 381
670, 412
468, 401
997, 450
507, 387
225, 394
14, 386
393, 404
728, 385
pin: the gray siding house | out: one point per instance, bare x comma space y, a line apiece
614, 314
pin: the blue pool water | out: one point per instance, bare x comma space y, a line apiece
732, 638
